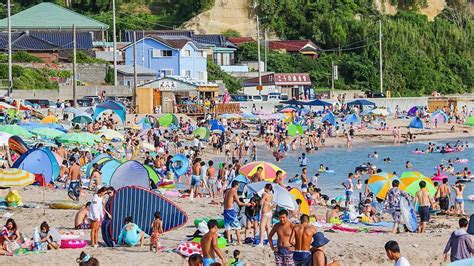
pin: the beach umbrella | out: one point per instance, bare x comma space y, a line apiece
202, 133
49, 119
439, 116
16, 130
352, 118
281, 196
15, 178
217, 127
411, 181
289, 109
379, 184
5, 105
83, 138
268, 173
470, 121
295, 129
110, 134
71, 110
247, 115
4, 137
49, 133
82, 119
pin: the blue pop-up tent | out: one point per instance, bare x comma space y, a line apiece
114, 106
330, 117
416, 122
352, 118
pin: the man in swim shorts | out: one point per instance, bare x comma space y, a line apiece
284, 250
424, 201
195, 178
231, 220
81, 221
444, 193
74, 178
302, 236
209, 245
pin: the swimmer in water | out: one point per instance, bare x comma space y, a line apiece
408, 165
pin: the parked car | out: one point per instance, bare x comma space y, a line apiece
40, 102
238, 98
371, 94
88, 101
255, 98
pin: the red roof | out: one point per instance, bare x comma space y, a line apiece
291, 45
240, 40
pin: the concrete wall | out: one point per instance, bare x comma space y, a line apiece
65, 92
89, 74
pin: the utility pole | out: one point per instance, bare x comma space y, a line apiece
258, 59
143, 48
332, 77
135, 76
380, 56
114, 38
74, 85
10, 73
265, 69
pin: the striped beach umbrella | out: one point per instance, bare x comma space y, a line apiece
411, 181
379, 184
15, 178
268, 173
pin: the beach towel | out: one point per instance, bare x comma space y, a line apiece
231, 221
381, 224
344, 229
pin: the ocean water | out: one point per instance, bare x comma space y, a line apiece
344, 161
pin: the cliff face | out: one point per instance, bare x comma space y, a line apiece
434, 7
238, 15
226, 14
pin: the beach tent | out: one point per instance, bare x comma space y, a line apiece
243, 181
416, 123
114, 106
39, 161
141, 204
439, 116
130, 173
361, 103
167, 120
202, 133
17, 145
217, 127
108, 169
152, 174
317, 102
352, 118
330, 117
412, 111
295, 129
100, 160
470, 121
292, 102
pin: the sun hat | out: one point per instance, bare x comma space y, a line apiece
319, 240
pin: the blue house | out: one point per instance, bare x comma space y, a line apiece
174, 56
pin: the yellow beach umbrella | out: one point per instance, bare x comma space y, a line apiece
379, 184
50, 119
15, 178
268, 173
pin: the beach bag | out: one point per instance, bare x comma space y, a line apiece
470, 228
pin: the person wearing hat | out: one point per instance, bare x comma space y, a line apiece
319, 256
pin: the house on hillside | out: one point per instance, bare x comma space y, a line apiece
295, 85
51, 17
168, 57
217, 47
125, 75
305, 47
51, 47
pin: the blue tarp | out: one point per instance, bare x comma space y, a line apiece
130, 173
352, 118
416, 123
330, 117
39, 161
114, 106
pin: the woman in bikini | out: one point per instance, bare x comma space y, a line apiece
266, 216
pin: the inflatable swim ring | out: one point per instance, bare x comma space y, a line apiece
438, 177
418, 152
65, 205
220, 221
471, 197
179, 164
462, 161
221, 242
166, 184
73, 243
326, 171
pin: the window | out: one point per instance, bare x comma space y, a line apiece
187, 73
162, 53
201, 53
166, 72
187, 53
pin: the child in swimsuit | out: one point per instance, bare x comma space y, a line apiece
157, 227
